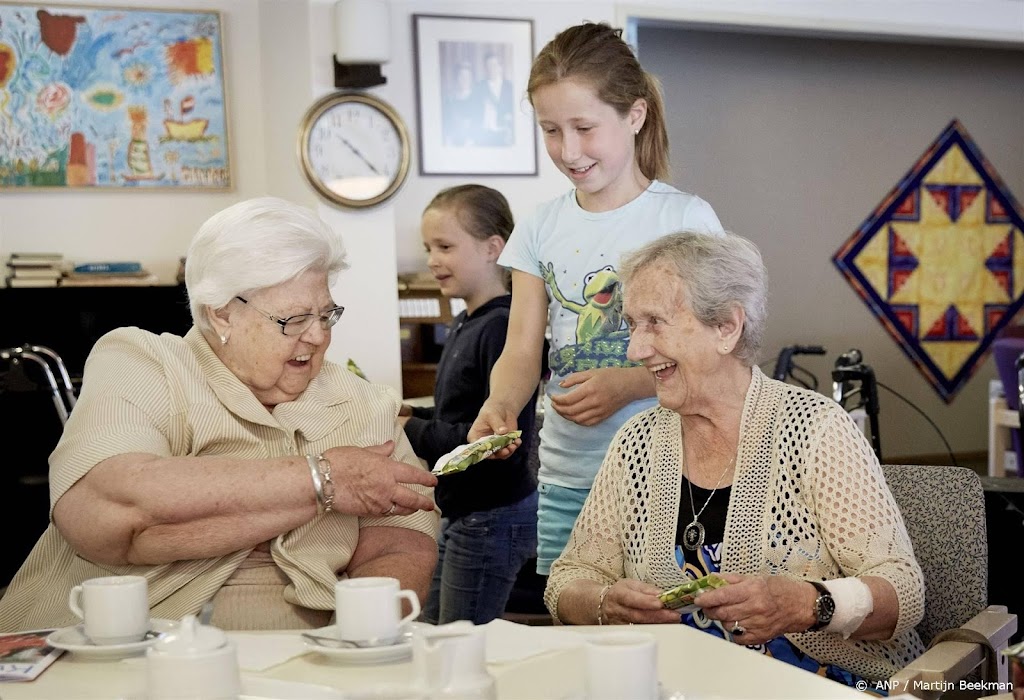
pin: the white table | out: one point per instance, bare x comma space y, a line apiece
688, 660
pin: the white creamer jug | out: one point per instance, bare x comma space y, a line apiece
194, 662
450, 662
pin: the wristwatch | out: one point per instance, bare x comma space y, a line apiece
824, 607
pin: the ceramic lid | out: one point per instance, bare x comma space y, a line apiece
190, 639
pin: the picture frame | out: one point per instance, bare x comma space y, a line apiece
472, 114
101, 98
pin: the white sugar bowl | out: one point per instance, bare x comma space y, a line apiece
194, 662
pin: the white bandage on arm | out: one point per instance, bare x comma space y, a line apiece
854, 603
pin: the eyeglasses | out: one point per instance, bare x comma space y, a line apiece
297, 325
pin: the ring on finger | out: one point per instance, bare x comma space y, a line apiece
737, 629
390, 510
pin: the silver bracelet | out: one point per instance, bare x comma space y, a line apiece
328, 483
600, 604
318, 484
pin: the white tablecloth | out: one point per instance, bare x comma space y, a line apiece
529, 663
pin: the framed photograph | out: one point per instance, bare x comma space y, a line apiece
112, 97
472, 111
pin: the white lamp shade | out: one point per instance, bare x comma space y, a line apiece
362, 31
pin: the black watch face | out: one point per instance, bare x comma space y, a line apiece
826, 608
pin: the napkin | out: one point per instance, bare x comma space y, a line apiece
258, 652
508, 641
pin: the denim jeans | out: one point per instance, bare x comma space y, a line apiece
479, 557
557, 509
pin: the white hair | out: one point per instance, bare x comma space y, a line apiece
253, 245
719, 273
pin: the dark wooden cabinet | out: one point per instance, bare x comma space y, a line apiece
68, 321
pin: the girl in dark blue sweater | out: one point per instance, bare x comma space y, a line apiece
489, 511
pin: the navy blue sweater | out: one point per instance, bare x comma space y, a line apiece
473, 345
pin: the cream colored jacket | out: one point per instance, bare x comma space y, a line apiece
172, 396
808, 500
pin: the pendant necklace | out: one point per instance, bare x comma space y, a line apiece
693, 534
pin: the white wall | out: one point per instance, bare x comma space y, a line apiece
983, 22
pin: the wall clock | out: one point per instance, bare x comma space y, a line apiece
354, 149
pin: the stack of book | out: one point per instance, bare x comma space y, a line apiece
109, 274
34, 269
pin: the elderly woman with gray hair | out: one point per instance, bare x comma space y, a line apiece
235, 464
768, 485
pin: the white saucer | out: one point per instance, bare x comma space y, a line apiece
73, 639
273, 689
399, 651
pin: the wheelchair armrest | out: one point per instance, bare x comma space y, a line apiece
940, 668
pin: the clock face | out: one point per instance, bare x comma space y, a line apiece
354, 149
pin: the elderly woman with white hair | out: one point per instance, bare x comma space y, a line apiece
770, 486
235, 464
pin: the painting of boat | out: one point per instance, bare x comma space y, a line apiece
192, 130
98, 97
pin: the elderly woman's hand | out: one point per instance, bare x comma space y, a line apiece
598, 393
630, 601
763, 606
368, 482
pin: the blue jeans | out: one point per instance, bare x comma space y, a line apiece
557, 511
478, 559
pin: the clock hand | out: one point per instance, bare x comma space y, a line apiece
360, 155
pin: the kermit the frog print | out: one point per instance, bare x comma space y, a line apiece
600, 331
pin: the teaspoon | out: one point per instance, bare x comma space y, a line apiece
337, 643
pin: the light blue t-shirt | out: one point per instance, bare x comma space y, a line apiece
577, 254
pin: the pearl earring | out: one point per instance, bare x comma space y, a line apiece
223, 340
636, 132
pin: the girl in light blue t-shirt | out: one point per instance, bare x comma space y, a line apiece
603, 122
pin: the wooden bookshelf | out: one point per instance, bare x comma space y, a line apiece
424, 316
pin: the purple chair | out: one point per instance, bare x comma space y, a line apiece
1006, 348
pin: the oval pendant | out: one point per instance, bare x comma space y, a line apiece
693, 536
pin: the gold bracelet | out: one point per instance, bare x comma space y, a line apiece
328, 484
600, 604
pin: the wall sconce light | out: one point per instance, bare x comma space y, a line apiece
362, 42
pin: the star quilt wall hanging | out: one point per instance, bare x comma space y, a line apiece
940, 262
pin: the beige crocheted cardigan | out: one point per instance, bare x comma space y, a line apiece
808, 500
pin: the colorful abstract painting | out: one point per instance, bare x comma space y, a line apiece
940, 261
111, 97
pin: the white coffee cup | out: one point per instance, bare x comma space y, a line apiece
621, 665
115, 609
194, 662
369, 610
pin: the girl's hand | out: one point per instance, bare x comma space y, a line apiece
494, 420
630, 601
598, 393
764, 606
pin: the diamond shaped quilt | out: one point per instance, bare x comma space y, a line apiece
940, 262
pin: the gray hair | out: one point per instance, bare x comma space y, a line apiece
719, 272
256, 244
